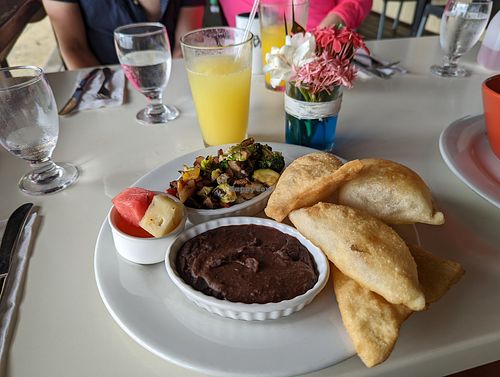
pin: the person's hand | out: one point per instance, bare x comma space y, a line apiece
330, 20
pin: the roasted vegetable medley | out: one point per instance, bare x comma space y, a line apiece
241, 173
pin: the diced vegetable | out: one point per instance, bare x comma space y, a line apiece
185, 189
207, 163
223, 178
191, 173
225, 193
215, 174
234, 166
267, 176
204, 191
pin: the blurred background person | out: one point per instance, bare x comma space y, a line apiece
84, 28
322, 13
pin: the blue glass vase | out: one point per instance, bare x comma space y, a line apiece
311, 120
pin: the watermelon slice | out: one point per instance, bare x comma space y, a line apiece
132, 204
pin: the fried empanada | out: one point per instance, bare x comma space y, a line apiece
363, 248
308, 180
435, 274
373, 323
391, 192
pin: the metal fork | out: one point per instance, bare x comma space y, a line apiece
104, 92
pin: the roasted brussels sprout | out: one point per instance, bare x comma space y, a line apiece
225, 193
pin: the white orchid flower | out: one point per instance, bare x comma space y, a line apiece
297, 51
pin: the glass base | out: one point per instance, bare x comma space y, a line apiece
449, 71
64, 175
147, 118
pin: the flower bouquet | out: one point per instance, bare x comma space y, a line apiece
316, 66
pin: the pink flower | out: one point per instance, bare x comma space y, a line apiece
324, 73
340, 43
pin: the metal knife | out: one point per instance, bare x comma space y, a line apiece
77, 95
10, 239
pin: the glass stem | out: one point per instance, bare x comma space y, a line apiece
44, 170
155, 103
450, 61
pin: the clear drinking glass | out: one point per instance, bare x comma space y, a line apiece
219, 66
29, 127
144, 53
462, 24
275, 21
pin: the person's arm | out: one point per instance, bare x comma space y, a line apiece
67, 21
190, 18
349, 12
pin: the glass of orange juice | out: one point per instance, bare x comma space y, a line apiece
275, 22
219, 66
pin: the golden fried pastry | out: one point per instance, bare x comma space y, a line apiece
373, 323
391, 192
308, 180
435, 274
363, 248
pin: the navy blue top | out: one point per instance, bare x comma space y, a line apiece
102, 17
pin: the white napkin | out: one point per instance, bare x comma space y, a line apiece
366, 74
13, 288
116, 86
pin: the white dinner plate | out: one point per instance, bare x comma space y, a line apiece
153, 311
465, 148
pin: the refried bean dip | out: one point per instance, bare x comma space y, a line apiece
247, 263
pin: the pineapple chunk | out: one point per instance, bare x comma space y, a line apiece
162, 216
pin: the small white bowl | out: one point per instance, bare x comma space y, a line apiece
139, 249
248, 208
235, 310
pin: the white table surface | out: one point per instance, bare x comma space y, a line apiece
64, 328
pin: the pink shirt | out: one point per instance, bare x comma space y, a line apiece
353, 12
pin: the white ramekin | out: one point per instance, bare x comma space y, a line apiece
247, 312
143, 250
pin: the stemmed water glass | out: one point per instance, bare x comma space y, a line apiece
144, 53
462, 24
29, 127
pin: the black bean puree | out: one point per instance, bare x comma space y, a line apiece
247, 263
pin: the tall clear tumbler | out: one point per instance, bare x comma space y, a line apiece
276, 18
29, 128
219, 66
462, 24
144, 53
